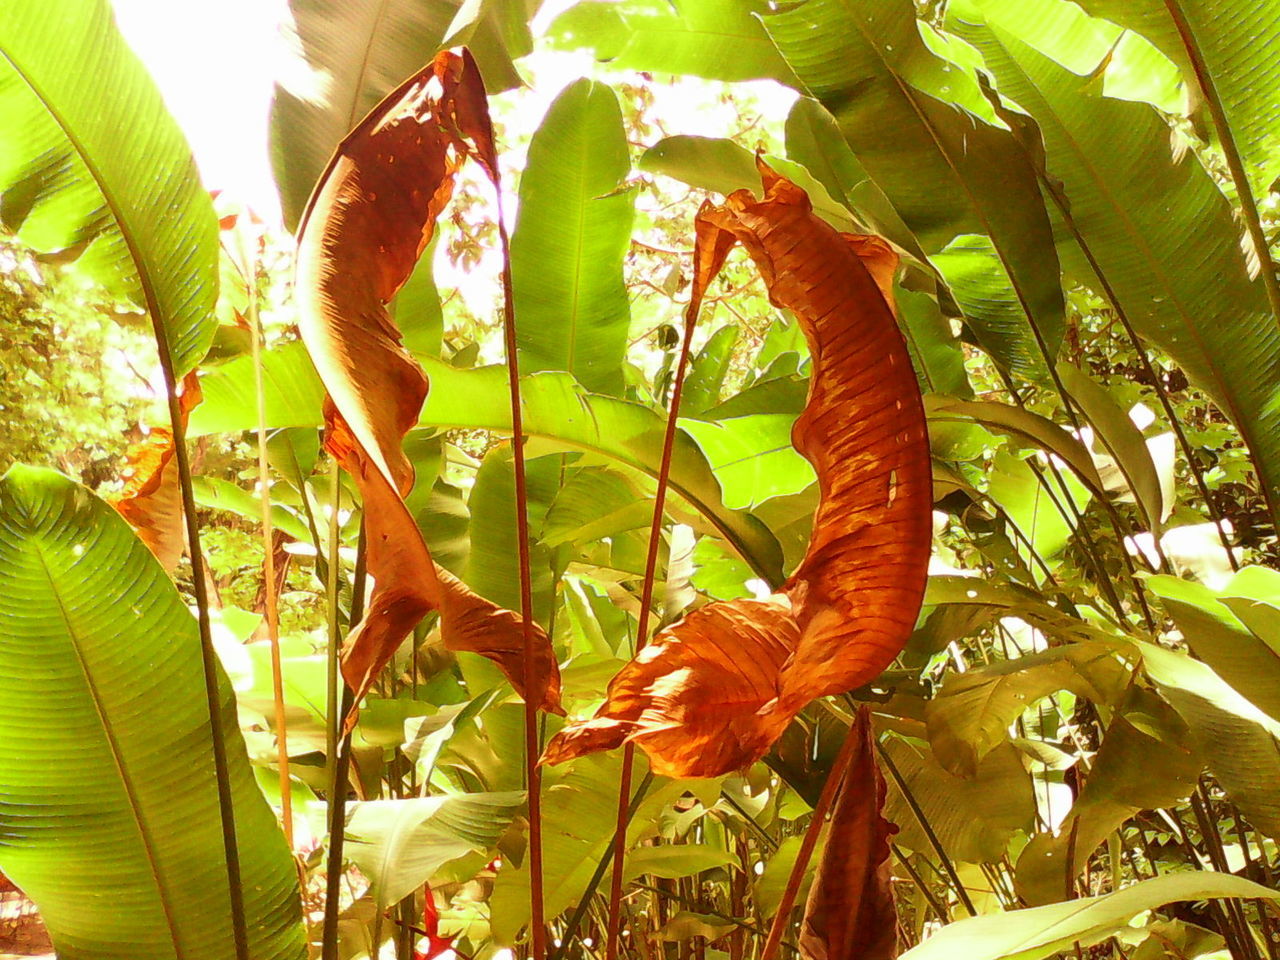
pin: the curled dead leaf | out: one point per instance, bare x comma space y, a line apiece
152, 496
372, 214
713, 691
850, 913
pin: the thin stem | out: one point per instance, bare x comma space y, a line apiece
269, 565
333, 727
532, 749
642, 628
935, 904
709, 911
584, 902
907, 795
761, 834
337, 835
208, 657
829, 789
1121, 314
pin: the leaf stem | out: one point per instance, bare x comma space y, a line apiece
532, 748
834, 778
208, 656
270, 592
646, 604
907, 795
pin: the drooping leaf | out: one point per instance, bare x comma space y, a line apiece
1025, 426
572, 232
1122, 440
1139, 216
1240, 743
972, 712
93, 165
715, 39
556, 410
364, 230
152, 497
974, 818
1145, 762
712, 692
1217, 636
1040, 932
347, 55
111, 812
850, 913
400, 844
919, 126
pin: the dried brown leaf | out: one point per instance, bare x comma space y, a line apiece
371, 216
152, 496
850, 913
712, 692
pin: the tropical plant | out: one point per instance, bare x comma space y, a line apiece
1007, 691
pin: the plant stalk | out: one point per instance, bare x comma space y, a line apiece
208, 656
269, 565
829, 789
907, 795
532, 748
333, 728
642, 627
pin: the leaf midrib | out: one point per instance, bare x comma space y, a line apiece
126, 780
145, 281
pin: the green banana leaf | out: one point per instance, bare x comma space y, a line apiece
349, 54
1157, 234
1040, 932
556, 410
1236, 43
110, 814
93, 166
399, 844
715, 39
920, 127
571, 235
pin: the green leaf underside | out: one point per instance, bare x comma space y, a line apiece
101, 688
92, 163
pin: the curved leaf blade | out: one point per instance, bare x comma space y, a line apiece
571, 235
92, 163
101, 683
715, 690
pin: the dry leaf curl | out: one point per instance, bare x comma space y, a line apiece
713, 691
371, 216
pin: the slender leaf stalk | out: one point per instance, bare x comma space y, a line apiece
333, 728
1114, 300
642, 627
938, 908
337, 817
834, 778
208, 656
269, 562
907, 795
337, 813
532, 747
